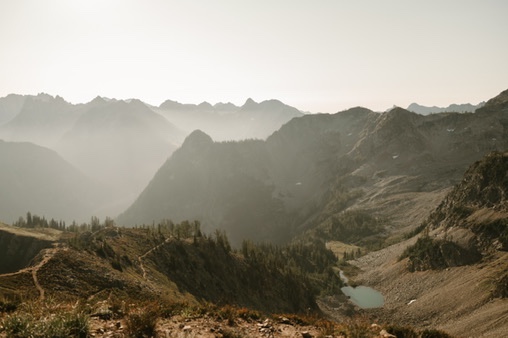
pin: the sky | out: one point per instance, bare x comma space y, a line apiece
318, 56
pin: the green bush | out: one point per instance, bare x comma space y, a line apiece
431, 333
434, 254
58, 325
17, 325
402, 331
8, 306
142, 322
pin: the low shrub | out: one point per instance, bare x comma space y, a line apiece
402, 331
58, 325
431, 333
8, 306
142, 322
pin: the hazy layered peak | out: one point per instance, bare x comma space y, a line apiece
249, 103
455, 108
205, 106
197, 139
225, 107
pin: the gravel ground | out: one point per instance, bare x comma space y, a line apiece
457, 300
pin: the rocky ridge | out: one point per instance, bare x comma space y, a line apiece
466, 297
390, 165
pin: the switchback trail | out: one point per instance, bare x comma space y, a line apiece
47, 255
140, 258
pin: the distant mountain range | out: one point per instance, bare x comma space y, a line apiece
120, 144
430, 189
38, 180
453, 108
292, 175
316, 166
225, 121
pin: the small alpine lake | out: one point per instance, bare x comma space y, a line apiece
362, 296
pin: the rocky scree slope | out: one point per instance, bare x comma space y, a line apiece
452, 275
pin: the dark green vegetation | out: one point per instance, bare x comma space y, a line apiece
356, 179
433, 254
98, 270
49, 319
205, 267
315, 167
42, 320
355, 227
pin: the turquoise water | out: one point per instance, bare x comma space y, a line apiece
364, 297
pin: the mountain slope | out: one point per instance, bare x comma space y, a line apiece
168, 280
38, 180
42, 120
222, 183
460, 262
10, 106
244, 187
170, 264
478, 205
395, 166
119, 144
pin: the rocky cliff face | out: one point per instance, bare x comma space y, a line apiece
470, 222
479, 204
454, 274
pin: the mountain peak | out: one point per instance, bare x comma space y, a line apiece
98, 100
44, 97
398, 114
498, 103
135, 103
170, 104
272, 104
205, 106
249, 103
197, 139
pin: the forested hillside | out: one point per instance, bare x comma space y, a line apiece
394, 166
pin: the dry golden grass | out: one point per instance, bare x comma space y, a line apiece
46, 234
339, 248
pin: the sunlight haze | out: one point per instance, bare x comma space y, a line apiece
321, 56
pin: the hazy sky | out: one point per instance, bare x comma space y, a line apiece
315, 55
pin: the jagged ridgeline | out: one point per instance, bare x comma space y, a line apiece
470, 223
393, 166
117, 144
166, 262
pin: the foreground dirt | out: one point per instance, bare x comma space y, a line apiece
457, 300
209, 327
